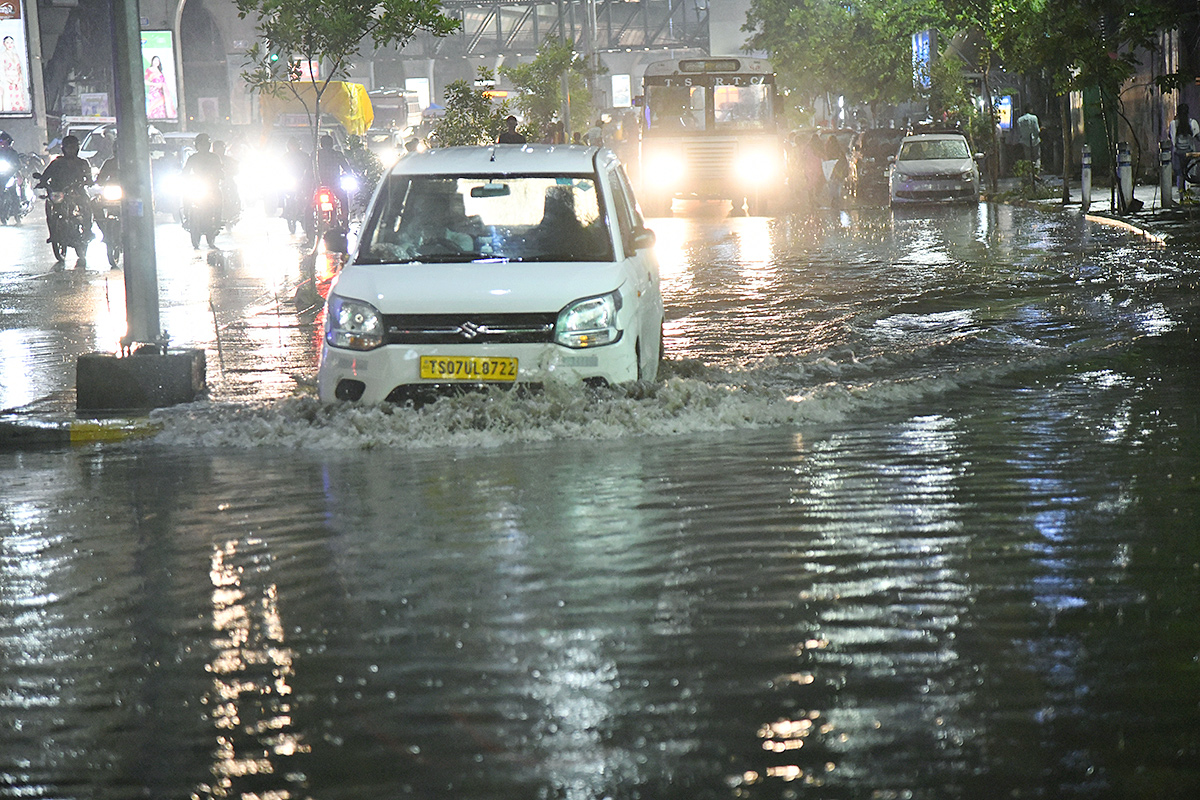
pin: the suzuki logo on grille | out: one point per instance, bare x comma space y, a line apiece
469, 330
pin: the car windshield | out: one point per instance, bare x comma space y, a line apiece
934, 149
443, 218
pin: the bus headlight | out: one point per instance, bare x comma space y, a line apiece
756, 166
665, 168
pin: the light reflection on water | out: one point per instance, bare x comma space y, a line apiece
907, 527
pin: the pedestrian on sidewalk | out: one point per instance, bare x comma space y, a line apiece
1029, 137
1183, 132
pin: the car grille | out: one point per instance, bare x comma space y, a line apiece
468, 328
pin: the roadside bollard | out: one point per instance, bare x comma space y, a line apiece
1164, 174
1124, 178
1087, 177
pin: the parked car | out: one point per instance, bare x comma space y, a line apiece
498, 265
869, 154
935, 168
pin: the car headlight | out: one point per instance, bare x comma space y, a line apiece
111, 192
352, 324
590, 322
968, 176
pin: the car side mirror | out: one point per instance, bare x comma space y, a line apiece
980, 156
891, 159
643, 238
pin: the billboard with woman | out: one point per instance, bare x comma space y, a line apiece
14, 61
158, 64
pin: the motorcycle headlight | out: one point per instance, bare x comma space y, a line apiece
590, 322
352, 324
195, 187
111, 192
349, 184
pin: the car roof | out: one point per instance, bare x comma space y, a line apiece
501, 159
924, 137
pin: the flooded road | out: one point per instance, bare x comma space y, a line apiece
913, 513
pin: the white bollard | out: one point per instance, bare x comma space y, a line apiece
1124, 178
1087, 177
1164, 174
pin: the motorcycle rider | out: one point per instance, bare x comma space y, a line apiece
10, 164
298, 188
205, 165
71, 175
332, 165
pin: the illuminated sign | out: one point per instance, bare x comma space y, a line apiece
15, 98
924, 50
709, 65
1004, 112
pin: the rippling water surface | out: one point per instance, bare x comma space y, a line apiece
912, 513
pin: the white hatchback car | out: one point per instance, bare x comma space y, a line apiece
503, 264
934, 168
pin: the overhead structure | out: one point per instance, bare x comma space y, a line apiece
516, 27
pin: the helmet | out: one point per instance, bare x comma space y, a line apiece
5, 139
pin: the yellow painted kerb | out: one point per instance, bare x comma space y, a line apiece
112, 430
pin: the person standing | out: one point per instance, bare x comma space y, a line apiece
1183, 132
510, 134
1029, 137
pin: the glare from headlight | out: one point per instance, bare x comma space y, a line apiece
352, 324
349, 184
388, 156
666, 168
111, 192
590, 322
755, 166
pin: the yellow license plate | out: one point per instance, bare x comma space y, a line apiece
468, 368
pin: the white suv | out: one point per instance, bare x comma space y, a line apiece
500, 265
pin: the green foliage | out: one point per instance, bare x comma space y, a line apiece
470, 118
365, 164
539, 87
329, 33
859, 48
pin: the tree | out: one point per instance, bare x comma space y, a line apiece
470, 118
539, 87
858, 48
328, 33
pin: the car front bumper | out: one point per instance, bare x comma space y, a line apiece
391, 372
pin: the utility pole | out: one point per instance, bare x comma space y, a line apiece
137, 206
148, 376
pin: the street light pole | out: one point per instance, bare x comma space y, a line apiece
177, 45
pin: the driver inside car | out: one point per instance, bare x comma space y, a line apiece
435, 225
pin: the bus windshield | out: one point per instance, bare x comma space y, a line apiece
674, 109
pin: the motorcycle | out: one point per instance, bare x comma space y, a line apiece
331, 217
107, 212
292, 207
65, 220
15, 200
202, 204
